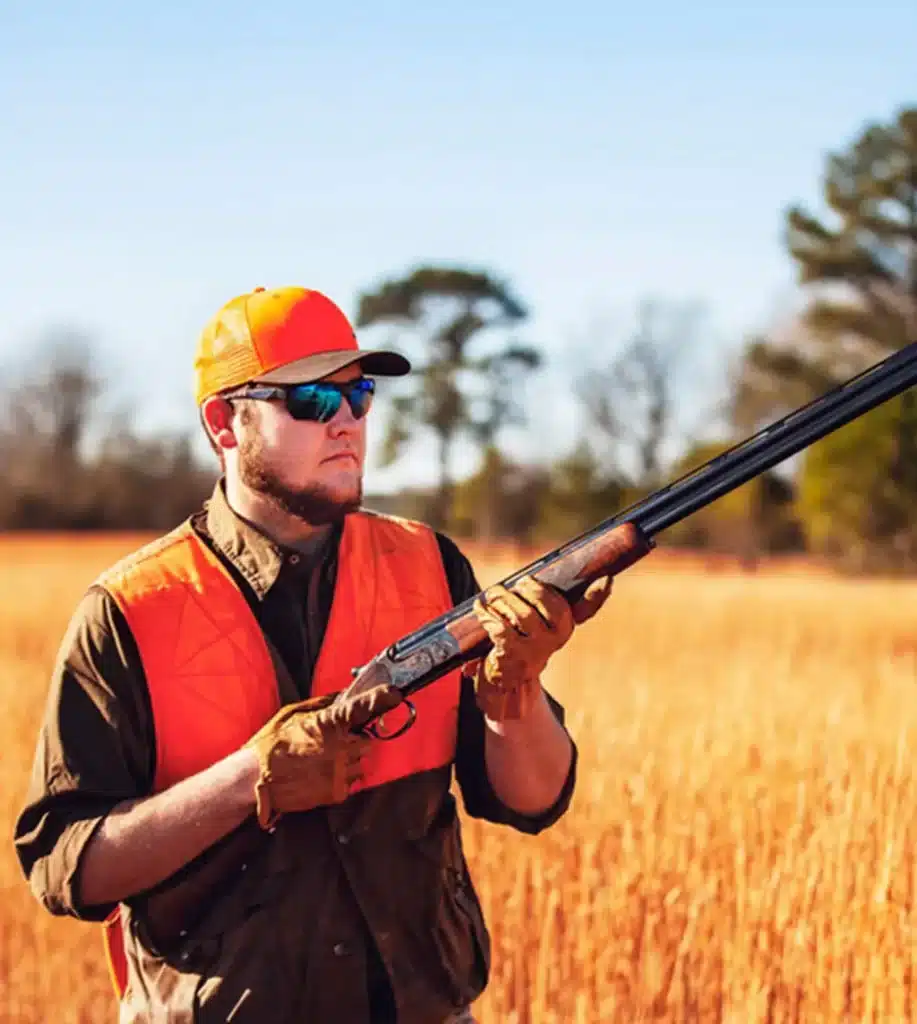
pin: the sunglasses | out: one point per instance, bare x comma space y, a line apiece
317, 401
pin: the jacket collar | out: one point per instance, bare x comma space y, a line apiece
258, 558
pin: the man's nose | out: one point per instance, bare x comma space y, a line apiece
343, 420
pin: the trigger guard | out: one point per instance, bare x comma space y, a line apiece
373, 729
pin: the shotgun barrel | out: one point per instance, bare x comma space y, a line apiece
721, 474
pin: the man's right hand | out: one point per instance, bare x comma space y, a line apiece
309, 754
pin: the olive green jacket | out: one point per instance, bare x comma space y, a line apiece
364, 912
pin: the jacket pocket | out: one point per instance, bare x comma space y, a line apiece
461, 938
459, 932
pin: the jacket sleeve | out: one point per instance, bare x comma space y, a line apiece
94, 750
478, 795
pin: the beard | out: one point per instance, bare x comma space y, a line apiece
313, 504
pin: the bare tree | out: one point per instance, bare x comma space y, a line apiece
64, 463
49, 412
631, 401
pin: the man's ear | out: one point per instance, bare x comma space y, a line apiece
216, 414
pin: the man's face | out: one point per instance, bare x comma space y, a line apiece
313, 471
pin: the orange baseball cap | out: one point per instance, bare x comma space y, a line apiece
281, 336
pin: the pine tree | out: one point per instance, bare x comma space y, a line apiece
859, 270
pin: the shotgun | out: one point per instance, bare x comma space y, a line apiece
615, 544
455, 638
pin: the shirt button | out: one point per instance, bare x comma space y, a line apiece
340, 949
343, 838
294, 559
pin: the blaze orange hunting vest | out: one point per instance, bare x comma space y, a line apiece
209, 673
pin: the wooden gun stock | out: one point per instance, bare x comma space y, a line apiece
569, 572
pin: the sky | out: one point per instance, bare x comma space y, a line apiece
158, 160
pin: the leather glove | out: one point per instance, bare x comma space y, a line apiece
309, 753
527, 625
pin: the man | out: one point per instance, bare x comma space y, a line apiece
191, 709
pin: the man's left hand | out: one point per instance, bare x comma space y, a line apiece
527, 625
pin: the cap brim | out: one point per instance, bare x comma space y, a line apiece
311, 368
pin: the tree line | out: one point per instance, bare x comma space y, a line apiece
848, 497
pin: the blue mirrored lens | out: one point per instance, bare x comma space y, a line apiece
360, 397
314, 402
321, 400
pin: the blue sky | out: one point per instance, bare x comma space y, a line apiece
159, 161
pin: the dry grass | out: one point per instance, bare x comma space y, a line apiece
741, 847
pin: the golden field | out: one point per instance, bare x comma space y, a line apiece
741, 847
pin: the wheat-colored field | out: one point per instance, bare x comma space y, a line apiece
741, 846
